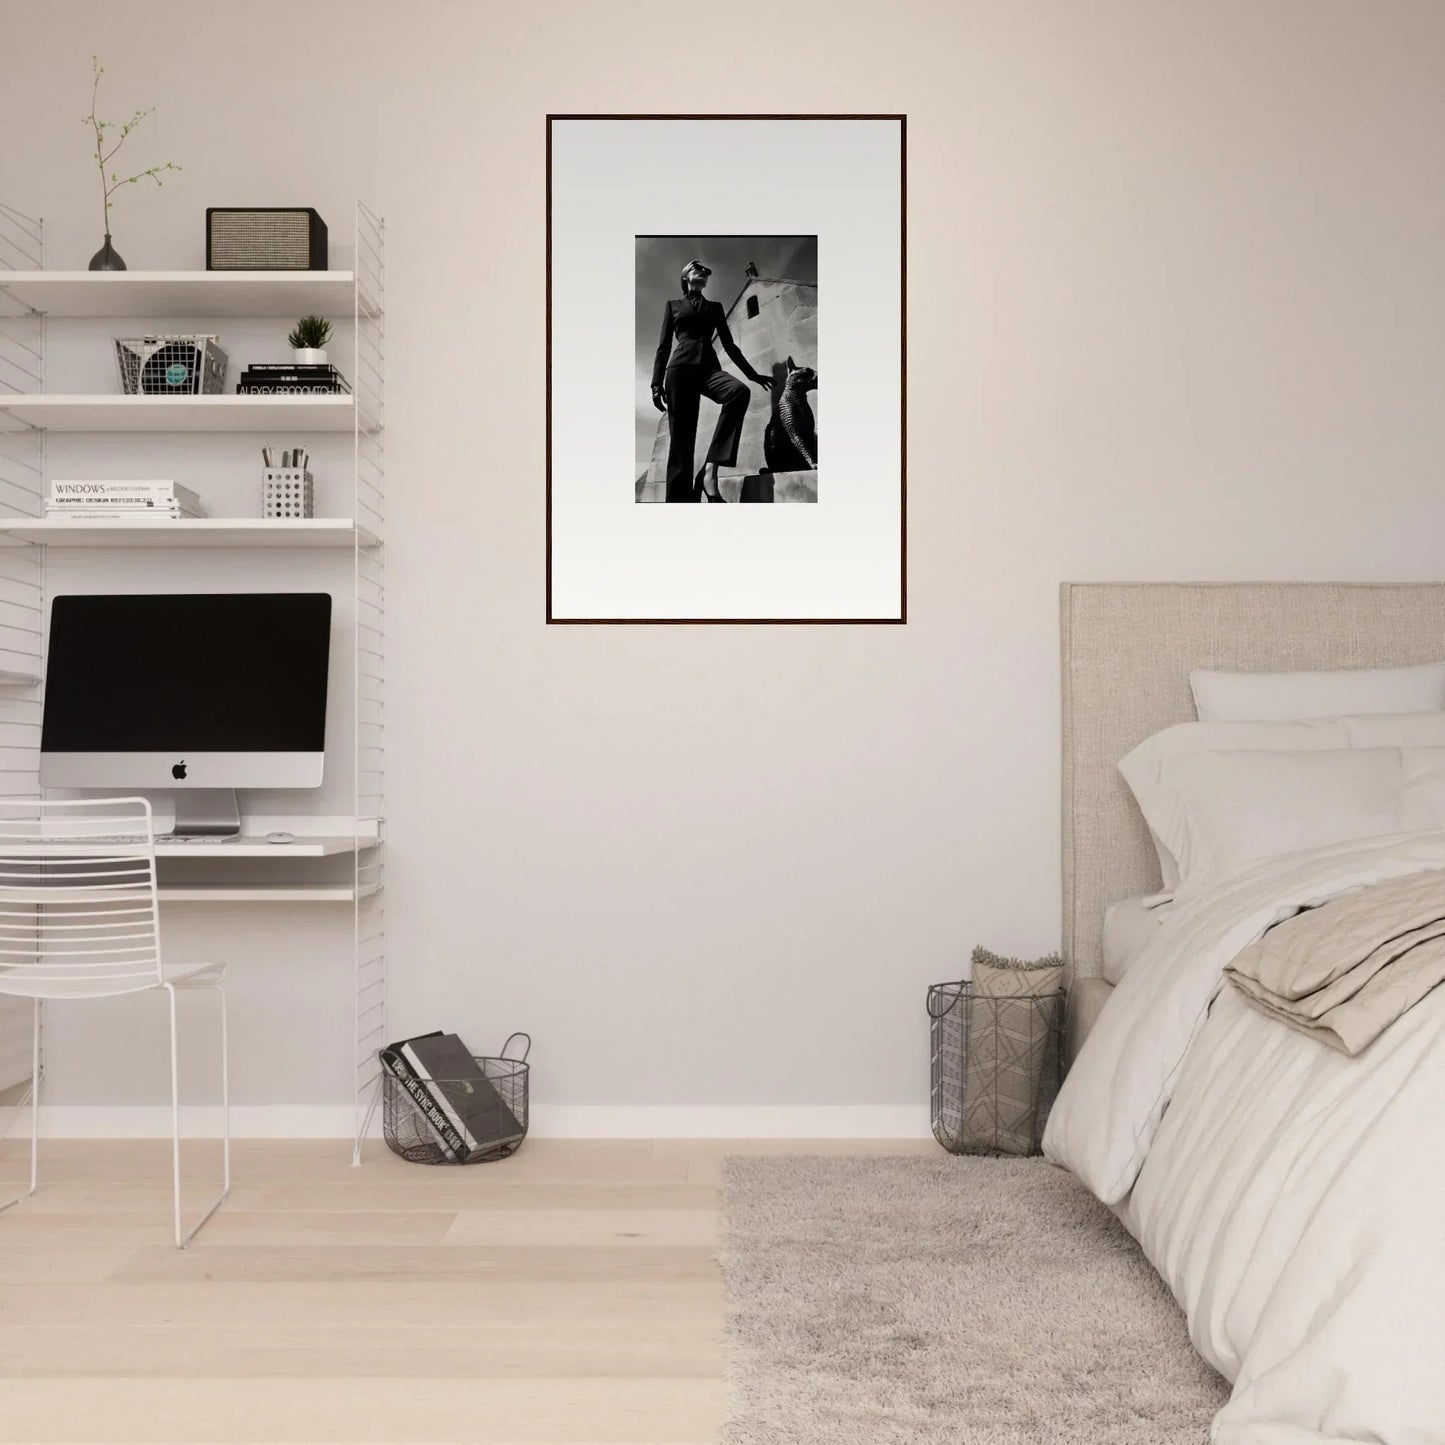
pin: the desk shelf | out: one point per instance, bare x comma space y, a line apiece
258, 847
193, 532
262, 892
245, 846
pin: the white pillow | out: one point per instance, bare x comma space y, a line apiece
1219, 812
1143, 769
1290, 696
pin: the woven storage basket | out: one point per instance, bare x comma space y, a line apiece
995, 1068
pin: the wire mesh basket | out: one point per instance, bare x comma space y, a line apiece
996, 1068
170, 365
411, 1134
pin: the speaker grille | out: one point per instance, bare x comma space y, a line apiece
280, 240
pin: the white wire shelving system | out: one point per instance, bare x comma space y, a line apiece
28, 292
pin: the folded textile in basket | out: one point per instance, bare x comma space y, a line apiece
1345, 971
1011, 1040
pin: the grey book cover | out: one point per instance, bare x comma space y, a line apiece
458, 1083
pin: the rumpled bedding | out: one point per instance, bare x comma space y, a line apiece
1344, 972
1291, 1195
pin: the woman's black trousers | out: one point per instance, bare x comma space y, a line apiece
684, 387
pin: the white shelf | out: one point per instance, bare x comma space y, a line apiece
259, 892
110, 413
76, 304
183, 293
195, 532
257, 847
244, 846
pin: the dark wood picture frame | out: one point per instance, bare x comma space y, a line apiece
902, 617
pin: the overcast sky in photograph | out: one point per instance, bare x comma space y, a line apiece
660, 260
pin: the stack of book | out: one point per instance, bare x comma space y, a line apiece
285, 378
461, 1106
160, 501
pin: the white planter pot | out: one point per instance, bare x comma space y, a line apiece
310, 356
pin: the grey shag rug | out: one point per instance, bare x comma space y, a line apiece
972, 1301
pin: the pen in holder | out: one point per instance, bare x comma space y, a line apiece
286, 492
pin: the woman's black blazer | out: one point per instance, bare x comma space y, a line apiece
686, 340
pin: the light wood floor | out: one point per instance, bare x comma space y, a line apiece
569, 1294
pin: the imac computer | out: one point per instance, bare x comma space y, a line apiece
195, 693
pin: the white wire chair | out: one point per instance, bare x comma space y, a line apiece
80, 919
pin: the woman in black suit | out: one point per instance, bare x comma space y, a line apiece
685, 370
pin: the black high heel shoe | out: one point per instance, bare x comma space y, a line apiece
701, 492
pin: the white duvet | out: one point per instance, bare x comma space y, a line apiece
1293, 1198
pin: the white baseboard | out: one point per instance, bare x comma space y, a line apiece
549, 1121
248, 1121
762, 1121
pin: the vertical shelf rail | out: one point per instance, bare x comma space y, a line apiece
22, 578
369, 387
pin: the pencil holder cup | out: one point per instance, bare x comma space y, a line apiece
286, 492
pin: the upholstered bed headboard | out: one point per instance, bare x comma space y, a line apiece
1127, 649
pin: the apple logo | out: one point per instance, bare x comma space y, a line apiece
179, 771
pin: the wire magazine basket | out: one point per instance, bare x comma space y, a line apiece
170, 365
409, 1132
996, 1067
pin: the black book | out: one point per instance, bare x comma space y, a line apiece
308, 368
468, 1098
288, 378
290, 388
394, 1061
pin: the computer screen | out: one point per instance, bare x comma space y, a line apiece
210, 689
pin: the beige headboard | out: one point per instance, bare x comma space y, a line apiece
1127, 651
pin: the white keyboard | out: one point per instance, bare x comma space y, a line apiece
137, 838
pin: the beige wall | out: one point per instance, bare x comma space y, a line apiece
1177, 311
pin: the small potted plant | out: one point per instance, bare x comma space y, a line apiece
308, 340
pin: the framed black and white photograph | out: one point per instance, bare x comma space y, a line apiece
725, 328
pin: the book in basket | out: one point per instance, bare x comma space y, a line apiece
451, 1078
449, 1140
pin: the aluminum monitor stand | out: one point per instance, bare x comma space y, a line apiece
206, 813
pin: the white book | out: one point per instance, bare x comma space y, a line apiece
115, 499
132, 514
85, 485
73, 491
100, 504
121, 504
124, 504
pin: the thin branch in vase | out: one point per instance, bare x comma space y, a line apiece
110, 182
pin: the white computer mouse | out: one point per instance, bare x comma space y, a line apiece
280, 837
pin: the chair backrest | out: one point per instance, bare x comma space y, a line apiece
78, 905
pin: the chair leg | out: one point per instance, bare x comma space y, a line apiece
183, 1236
34, 1112
37, 1071
225, 1093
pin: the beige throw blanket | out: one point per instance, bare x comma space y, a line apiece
1346, 971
